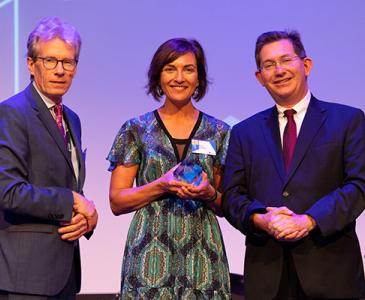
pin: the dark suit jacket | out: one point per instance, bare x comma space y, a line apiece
326, 180
36, 179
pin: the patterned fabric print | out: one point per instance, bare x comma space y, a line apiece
174, 248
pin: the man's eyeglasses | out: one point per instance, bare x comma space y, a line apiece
284, 62
51, 63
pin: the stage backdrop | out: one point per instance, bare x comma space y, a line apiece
119, 39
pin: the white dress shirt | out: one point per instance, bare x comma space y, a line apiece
300, 108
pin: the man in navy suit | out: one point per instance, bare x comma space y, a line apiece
43, 212
294, 184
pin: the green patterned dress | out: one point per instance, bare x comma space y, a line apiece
174, 248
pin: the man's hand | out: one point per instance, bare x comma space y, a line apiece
283, 224
264, 221
73, 230
87, 208
292, 228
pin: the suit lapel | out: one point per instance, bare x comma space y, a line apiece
313, 120
48, 121
74, 130
270, 127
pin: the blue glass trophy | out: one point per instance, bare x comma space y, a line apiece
189, 172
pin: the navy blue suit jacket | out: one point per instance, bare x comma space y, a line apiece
36, 180
326, 180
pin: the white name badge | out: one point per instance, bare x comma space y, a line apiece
203, 147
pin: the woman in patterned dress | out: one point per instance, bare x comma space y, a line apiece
174, 248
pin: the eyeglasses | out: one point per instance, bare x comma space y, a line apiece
51, 63
284, 62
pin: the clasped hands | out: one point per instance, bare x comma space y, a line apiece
84, 219
283, 224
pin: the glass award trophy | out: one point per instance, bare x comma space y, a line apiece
189, 172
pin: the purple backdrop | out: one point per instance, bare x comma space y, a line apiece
119, 39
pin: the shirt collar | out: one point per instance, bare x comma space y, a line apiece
49, 103
300, 107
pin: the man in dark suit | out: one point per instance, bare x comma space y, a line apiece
42, 210
294, 184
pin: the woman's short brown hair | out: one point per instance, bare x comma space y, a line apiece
167, 53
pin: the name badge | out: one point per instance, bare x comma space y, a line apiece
203, 147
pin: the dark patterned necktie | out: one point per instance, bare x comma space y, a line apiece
289, 138
58, 112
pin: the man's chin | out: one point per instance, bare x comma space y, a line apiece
283, 99
55, 95
57, 92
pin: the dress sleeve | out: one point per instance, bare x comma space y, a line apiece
125, 148
222, 145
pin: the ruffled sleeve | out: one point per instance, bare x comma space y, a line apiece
125, 148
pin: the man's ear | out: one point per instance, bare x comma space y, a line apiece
30, 64
308, 64
259, 77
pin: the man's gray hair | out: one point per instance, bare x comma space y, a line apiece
53, 27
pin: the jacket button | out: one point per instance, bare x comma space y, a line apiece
286, 194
